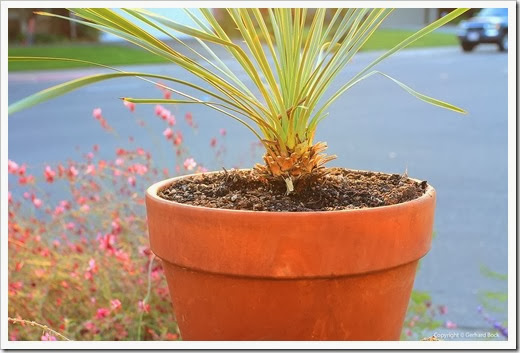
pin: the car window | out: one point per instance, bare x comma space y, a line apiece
492, 12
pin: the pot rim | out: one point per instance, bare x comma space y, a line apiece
152, 191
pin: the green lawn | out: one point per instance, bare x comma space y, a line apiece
126, 55
386, 39
112, 55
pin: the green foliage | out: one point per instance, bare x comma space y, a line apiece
421, 317
487, 272
494, 301
386, 39
107, 54
419, 297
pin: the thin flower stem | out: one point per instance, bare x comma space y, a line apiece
145, 300
35, 324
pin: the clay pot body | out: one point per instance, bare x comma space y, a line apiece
247, 275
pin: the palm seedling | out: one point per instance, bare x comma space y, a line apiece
288, 65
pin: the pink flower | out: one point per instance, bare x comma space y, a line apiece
107, 242
116, 227
70, 225
189, 164
92, 265
172, 336
89, 325
167, 94
171, 120
115, 304
9, 196
168, 133
96, 113
144, 306
102, 313
47, 337
85, 208
450, 324
12, 167
49, 174
26, 180
37, 203
90, 169
223, 132
129, 105
119, 161
21, 170
143, 250
15, 286
104, 124
73, 172
81, 200
213, 142
177, 139
189, 118
131, 181
161, 111
165, 114
443, 309
138, 168
121, 255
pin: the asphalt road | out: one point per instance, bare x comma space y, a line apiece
375, 126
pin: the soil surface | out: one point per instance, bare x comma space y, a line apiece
340, 189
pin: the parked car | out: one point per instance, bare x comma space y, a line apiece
488, 26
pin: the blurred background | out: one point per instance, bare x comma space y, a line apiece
26, 28
375, 126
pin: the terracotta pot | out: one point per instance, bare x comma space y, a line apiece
247, 275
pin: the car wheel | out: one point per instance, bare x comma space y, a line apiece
502, 45
467, 46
